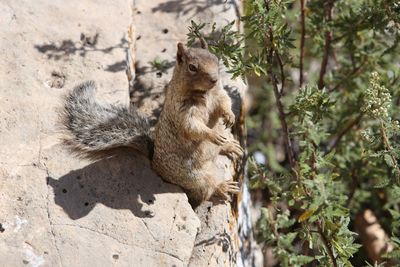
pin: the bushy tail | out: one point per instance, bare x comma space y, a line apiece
95, 130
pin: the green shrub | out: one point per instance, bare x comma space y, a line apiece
326, 118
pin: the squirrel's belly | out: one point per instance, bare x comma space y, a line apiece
171, 168
177, 159
180, 164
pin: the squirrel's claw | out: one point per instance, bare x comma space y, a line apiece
238, 146
229, 119
227, 187
218, 138
233, 150
233, 187
237, 151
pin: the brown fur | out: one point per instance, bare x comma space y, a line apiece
187, 138
187, 141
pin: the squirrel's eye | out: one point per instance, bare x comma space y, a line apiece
192, 68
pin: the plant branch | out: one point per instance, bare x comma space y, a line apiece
389, 148
356, 71
328, 39
327, 245
283, 78
353, 187
278, 96
282, 118
343, 132
281, 114
302, 39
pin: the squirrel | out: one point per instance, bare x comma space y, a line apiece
188, 135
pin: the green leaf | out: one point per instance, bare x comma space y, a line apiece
388, 160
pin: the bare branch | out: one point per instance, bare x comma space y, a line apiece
278, 95
283, 77
343, 132
328, 39
303, 34
356, 71
281, 112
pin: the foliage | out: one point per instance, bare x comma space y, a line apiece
326, 119
159, 65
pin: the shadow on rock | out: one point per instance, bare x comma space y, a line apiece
142, 91
117, 66
124, 181
234, 94
186, 6
87, 44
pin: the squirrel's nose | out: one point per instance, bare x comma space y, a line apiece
214, 80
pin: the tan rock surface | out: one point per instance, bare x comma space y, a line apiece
57, 210
219, 241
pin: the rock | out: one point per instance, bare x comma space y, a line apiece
58, 210
220, 243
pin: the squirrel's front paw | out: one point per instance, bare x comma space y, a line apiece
218, 138
232, 149
229, 119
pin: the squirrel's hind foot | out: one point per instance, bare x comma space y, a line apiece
227, 187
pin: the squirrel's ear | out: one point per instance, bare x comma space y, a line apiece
181, 52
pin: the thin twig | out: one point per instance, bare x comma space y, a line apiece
302, 39
353, 187
282, 118
328, 39
283, 78
389, 148
353, 62
356, 71
278, 96
281, 114
343, 132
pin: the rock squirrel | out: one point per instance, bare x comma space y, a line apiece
187, 138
